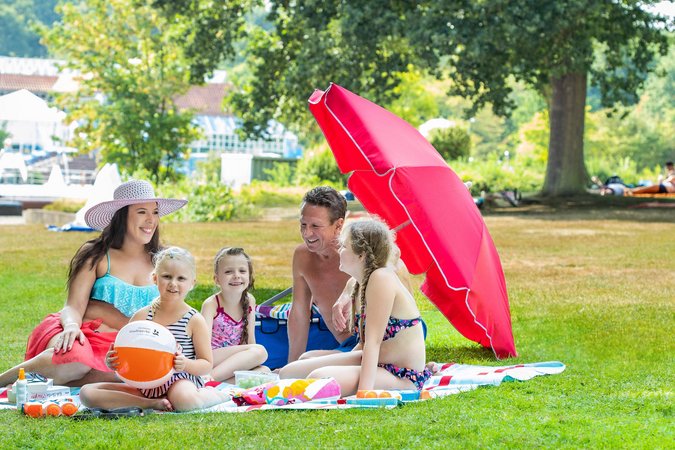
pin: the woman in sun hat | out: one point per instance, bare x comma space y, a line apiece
109, 279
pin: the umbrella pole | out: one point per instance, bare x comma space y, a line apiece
401, 226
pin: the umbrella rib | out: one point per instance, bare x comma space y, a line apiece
475, 320
410, 221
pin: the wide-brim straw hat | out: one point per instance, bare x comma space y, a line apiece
129, 193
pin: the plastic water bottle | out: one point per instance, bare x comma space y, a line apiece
20, 389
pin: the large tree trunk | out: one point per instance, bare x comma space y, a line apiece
565, 172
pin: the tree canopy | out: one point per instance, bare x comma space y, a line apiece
19, 19
132, 66
482, 46
208, 30
359, 45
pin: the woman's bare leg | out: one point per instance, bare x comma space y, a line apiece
94, 376
62, 374
653, 189
346, 376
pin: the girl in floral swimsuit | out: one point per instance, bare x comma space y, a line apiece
390, 353
230, 316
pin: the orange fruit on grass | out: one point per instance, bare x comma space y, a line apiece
385, 394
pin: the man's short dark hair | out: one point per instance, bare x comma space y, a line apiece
669, 164
329, 198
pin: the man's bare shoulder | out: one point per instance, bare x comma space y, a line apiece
301, 251
303, 257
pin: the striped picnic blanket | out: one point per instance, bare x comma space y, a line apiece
448, 379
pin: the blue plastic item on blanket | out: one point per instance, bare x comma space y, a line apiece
271, 330
272, 333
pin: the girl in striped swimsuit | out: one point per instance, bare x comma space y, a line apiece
175, 276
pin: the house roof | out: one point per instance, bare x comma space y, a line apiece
33, 83
205, 100
43, 77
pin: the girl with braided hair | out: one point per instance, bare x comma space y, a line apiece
230, 315
390, 353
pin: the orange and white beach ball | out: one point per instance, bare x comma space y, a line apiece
145, 352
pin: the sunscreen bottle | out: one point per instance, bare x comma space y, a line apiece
20, 389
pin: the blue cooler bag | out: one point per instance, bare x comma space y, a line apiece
271, 331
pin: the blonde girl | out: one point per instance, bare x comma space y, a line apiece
175, 276
390, 353
230, 315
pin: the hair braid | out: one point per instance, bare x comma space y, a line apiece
154, 305
372, 240
370, 267
245, 305
355, 292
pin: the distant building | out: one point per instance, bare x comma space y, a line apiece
43, 78
219, 127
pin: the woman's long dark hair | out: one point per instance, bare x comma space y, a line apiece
112, 236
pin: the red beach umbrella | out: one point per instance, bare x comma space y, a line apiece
399, 176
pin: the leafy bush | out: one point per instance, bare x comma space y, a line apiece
65, 205
281, 174
212, 202
493, 175
319, 167
452, 142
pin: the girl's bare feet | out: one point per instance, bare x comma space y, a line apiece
162, 404
221, 396
434, 367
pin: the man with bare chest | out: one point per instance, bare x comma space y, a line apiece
317, 278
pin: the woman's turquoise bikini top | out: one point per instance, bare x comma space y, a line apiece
125, 297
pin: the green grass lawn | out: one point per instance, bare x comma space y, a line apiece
593, 288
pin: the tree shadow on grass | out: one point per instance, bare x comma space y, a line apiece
591, 207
